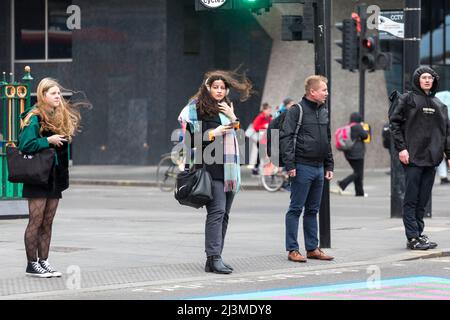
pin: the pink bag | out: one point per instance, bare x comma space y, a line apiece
343, 137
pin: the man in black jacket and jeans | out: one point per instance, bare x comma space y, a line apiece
308, 161
421, 131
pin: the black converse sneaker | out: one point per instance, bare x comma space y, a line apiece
417, 244
45, 265
34, 269
424, 238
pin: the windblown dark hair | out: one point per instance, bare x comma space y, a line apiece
206, 105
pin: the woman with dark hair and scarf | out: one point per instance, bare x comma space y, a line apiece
210, 113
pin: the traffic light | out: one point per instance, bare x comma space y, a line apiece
371, 56
368, 54
349, 44
254, 5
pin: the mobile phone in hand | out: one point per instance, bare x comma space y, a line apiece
234, 124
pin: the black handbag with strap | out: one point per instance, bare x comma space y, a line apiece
29, 168
194, 188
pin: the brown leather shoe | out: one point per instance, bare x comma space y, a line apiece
295, 256
318, 254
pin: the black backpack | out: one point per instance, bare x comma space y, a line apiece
276, 125
393, 101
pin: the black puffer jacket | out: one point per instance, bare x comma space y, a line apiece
420, 123
314, 138
358, 135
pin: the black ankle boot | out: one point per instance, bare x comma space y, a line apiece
227, 265
215, 264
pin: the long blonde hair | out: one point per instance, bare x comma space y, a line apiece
63, 120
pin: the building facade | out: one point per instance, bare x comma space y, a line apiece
139, 61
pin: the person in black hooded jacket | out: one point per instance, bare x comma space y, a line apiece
355, 156
421, 132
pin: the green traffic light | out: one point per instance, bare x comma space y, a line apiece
252, 4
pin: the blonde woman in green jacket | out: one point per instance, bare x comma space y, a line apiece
51, 123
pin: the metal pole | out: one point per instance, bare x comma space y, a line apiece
362, 71
362, 91
322, 58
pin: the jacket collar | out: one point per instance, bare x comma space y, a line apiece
311, 104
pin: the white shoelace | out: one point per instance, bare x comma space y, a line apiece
47, 266
38, 268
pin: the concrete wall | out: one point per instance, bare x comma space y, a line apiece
292, 61
131, 62
227, 40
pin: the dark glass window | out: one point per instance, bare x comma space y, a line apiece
30, 31
29, 20
191, 30
437, 35
447, 32
59, 36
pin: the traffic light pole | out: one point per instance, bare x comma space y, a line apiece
362, 91
322, 59
362, 71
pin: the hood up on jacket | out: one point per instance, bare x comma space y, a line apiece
416, 82
355, 117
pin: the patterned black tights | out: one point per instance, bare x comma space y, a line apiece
39, 230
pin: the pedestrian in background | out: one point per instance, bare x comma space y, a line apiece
284, 106
210, 113
308, 161
51, 123
421, 132
355, 156
260, 125
442, 169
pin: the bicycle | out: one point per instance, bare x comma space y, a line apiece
167, 171
273, 177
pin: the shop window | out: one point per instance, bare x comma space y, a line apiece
41, 31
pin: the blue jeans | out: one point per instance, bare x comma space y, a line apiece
306, 192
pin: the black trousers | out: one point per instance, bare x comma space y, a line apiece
356, 177
419, 184
218, 211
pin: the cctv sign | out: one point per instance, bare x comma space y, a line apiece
391, 25
213, 4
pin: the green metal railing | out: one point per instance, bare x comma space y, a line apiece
14, 99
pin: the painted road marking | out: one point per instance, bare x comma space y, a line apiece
410, 288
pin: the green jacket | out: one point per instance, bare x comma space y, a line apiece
30, 140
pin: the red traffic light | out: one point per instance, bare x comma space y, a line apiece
357, 19
368, 43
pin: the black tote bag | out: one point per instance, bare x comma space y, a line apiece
194, 188
29, 168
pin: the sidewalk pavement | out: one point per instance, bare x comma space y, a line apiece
145, 176
138, 176
127, 237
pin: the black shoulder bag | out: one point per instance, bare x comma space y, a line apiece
29, 168
194, 188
